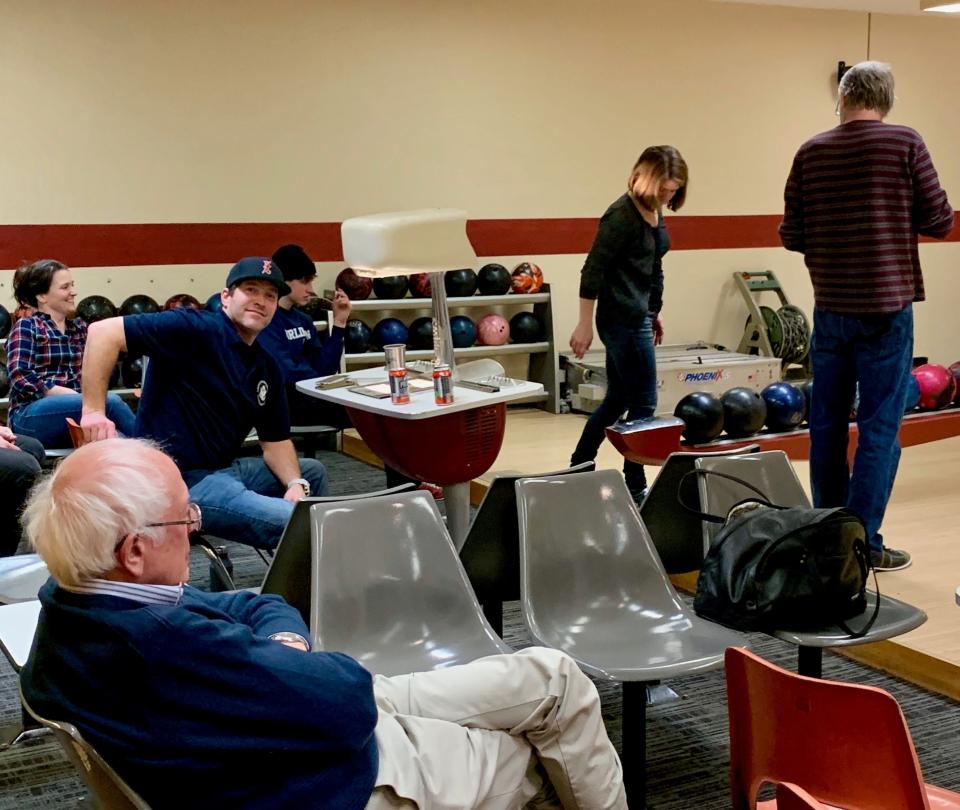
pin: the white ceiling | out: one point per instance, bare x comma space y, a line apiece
877, 6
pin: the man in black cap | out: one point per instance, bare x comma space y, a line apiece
207, 384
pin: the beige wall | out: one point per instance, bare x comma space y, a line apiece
233, 110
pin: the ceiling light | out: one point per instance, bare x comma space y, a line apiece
940, 6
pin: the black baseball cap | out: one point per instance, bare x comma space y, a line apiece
260, 268
294, 263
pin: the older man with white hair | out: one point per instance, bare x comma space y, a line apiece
213, 700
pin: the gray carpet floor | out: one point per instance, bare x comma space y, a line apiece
687, 749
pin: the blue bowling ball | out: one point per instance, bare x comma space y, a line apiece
213, 303
357, 337
389, 330
463, 330
913, 394
786, 406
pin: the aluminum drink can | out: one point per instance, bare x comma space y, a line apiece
399, 389
442, 385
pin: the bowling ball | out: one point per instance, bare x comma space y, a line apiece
139, 305
420, 334
937, 386
356, 287
913, 394
357, 337
493, 330
181, 300
390, 287
420, 285
744, 412
131, 372
954, 369
5, 321
460, 283
786, 406
463, 331
525, 327
389, 330
4, 380
702, 415
95, 308
493, 279
526, 278
213, 303
314, 308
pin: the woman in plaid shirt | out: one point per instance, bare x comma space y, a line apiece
44, 354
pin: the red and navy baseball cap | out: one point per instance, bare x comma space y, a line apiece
260, 268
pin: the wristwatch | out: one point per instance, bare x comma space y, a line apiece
303, 482
286, 635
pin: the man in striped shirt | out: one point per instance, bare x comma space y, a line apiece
856, 199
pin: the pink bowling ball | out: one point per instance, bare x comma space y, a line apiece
937, 386
493, 330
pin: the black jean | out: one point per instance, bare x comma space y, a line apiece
19, 469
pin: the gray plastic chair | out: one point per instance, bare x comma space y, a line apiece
21, 577
389, 590
289, 572
108, 789
773, 474
675, 532
491, 551
593, 586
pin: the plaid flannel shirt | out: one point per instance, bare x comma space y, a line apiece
40, 356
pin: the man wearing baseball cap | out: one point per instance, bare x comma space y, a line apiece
207, 384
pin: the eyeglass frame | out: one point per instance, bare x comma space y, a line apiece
188, 522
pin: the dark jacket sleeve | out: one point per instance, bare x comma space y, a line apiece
932, 214
325, 354
791, 228
607, 245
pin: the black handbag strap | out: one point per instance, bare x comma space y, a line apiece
709, 517
876, 608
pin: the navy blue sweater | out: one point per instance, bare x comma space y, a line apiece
196, 707
292, 340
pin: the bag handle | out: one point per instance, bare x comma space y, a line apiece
876, 608
711, 518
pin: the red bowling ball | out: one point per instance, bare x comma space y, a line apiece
937, 386
356, 287
493, 330
955, 371
420, 285
526, 278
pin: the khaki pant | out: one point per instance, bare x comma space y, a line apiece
486, 734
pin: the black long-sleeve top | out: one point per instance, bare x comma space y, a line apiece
623, 271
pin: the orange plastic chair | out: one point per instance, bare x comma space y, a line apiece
848, 745
794, 797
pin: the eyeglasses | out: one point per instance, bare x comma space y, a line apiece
194, 516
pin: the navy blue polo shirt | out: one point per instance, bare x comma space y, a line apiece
205, 387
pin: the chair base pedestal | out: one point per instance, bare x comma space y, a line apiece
659, 694
633, 743
810, 661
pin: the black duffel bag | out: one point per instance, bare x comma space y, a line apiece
784, 568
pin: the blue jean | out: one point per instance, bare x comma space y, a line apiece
245, 501
631, 389
44, 419
876, 353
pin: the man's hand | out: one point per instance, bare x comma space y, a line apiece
341, 308
657, 330
96, 426
294, 493
581, 339
7, 439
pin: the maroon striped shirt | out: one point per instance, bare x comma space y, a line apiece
856, 199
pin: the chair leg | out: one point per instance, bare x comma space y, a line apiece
218, 571
633, 743
493, 611
810, 661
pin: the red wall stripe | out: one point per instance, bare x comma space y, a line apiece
224, 242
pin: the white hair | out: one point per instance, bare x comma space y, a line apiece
75, 517
868, 86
